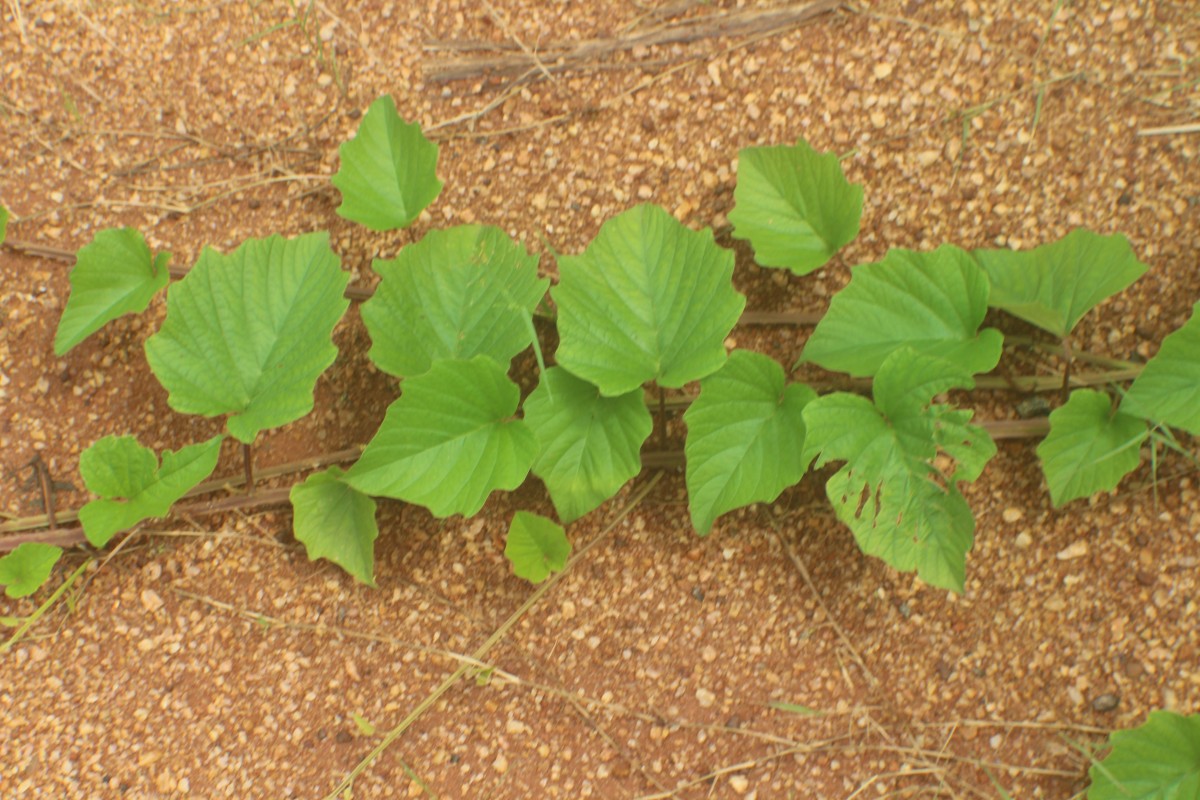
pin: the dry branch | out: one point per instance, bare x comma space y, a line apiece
558, 57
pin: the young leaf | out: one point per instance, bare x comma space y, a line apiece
449, 441
133, 487
648, 300
589, 444
457, 293
114, 275
745, 437
248, 334
794, 205
1159, 760
1168, 390
3, 223
536, 546
1090, 447
389, 170
336, 521
931, 302
27, 567
899, 507
1054, 285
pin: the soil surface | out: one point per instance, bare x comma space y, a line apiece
205, 656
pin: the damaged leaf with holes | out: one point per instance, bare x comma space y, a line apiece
899, 505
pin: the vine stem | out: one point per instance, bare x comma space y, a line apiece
1065, 392
31, 529
248, 463
662, 418
481, 652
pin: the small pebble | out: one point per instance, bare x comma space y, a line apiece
1024, 540
705, 698
1077, 550
151, 601
1106, 702
739, 783
1012, 514
883, 70
500, 764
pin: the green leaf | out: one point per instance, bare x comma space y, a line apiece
898, 505
1090, 447
794, 205
449, 441
1054, 285
648, 300
931, 302
1159, 760
389, 170
336, 521
457, 293
589, 445
133, 487
114, 275
249, 333
3, 223
745, 437
1168, 390
27, 567
536, 546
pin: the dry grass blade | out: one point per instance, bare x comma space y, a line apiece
564, 56
1170, 130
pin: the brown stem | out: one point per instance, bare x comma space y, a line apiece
42, 471
1065, 392
248, 463
662, 418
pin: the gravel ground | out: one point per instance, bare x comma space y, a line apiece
207, 657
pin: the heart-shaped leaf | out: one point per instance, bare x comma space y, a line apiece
589, 444
536, 546
1090, 447
133, 486
27, 567
1054, 285
648, 300
457, 293
1159, 760
389, 170
248, 334
794, 205
1168, 390
933, 303
114, 275
745, 437
449, 441
336, 521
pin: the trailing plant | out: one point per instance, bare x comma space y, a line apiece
646, 307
